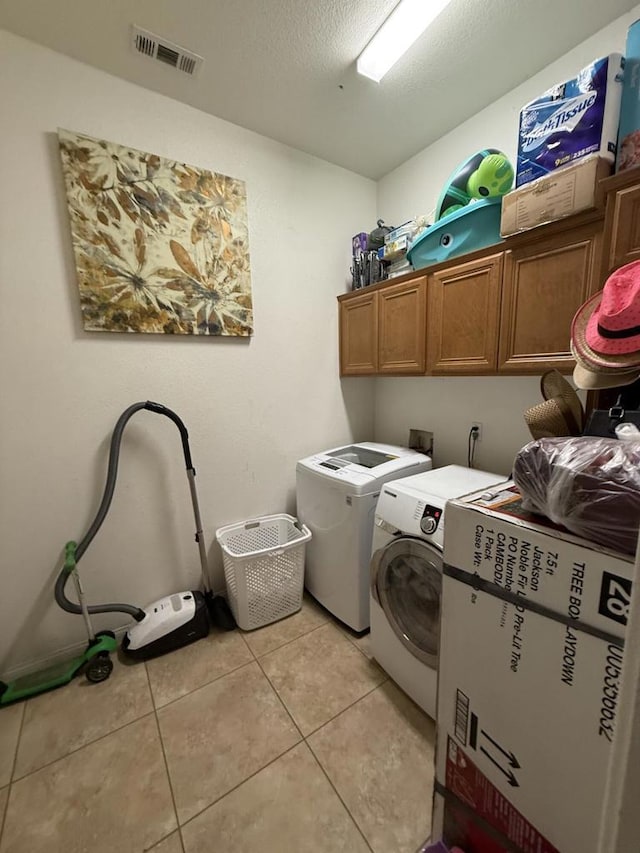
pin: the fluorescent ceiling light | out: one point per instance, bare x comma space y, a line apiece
404, 25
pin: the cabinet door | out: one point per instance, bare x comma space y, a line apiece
464, 310
359, 335
402, 327
544, 284
624, 223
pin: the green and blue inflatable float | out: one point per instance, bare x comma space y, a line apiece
486, 174
467, 216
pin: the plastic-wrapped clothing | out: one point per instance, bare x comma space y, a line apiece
589, 485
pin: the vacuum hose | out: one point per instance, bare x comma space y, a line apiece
112, 472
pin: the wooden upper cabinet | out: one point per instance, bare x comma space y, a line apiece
464, 312
544, 284
402, 326
623, 217
359, 335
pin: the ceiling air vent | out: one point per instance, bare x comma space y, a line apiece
152, 45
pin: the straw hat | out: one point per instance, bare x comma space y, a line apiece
592, 377
561, 414
553, 385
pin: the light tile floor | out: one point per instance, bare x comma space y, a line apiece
289, 739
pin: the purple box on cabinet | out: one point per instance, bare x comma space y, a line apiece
359, 244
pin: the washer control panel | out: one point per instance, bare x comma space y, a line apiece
430, 519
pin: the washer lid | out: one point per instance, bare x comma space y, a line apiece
407, 583
365, 465
447, 483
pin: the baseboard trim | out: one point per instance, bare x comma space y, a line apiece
73, 650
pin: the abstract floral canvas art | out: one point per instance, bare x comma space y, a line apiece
160, 246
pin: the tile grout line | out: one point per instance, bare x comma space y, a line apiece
282, 702
288, 642
350, 705
84, 745
161, 841
255, 658
199, 687
5, 811
241, 633
326, 773
240, 784
259, 770
337, 793
317, 759
304, 739
346, 708
164, 758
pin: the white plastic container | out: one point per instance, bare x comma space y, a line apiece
264, 568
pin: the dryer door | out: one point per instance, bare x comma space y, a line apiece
407, 582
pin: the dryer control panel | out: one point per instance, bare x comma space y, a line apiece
430, 519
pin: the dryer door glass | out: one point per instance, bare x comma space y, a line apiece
409, 586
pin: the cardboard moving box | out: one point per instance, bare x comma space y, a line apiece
569, 190
531, 649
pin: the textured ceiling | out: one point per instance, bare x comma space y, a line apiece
286, 68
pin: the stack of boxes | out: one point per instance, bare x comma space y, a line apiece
566, 143
396, 245
394, 251
373, 262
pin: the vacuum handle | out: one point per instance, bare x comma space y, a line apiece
74, 554
159, 409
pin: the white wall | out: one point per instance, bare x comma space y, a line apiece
447, 406
253, 407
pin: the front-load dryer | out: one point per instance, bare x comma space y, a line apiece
406, 574
336, 492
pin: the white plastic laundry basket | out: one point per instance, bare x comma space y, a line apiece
264, 568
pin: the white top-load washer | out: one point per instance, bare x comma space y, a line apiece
337, 491
406, 574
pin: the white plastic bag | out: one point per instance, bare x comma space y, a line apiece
627, 432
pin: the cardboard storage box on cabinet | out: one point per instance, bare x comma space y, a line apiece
533, 622
564, 192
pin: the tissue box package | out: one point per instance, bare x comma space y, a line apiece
572, 120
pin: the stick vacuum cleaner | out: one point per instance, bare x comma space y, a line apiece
165, 625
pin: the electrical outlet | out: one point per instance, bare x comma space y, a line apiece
478, 425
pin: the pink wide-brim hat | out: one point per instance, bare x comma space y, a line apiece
606, 329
